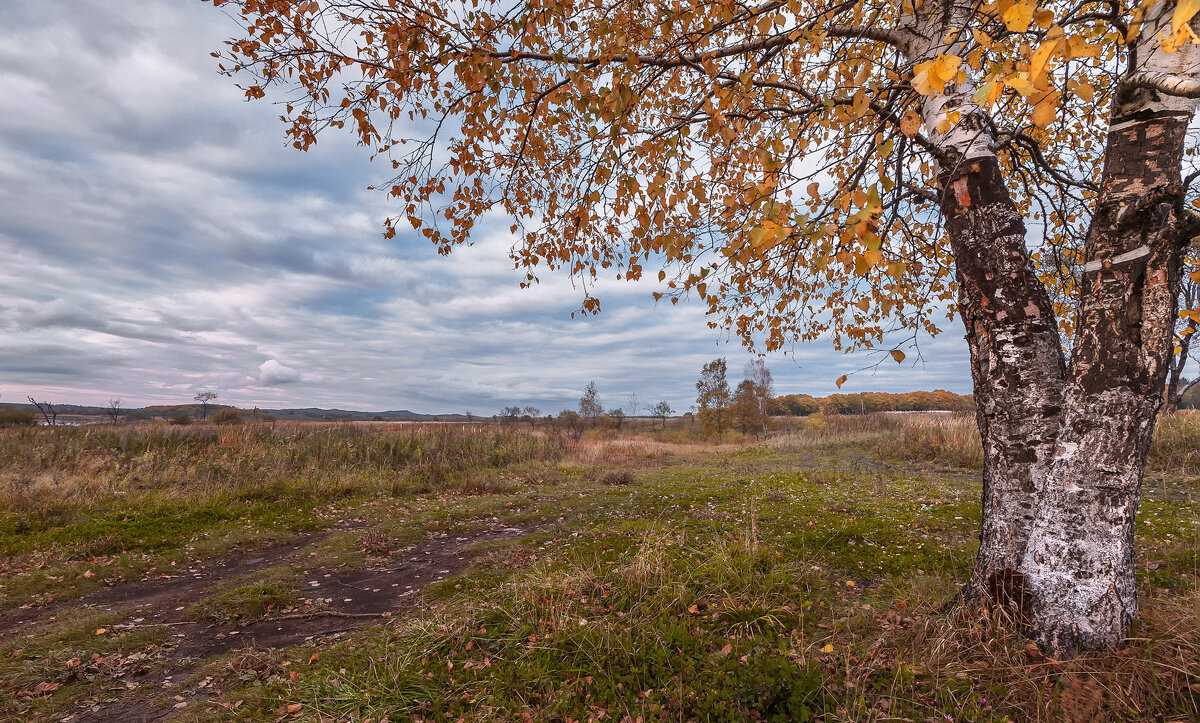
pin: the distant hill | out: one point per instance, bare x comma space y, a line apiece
314, 413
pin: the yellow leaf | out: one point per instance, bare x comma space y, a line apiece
897, 355
814, 190
1135, 22
1039, 63
1181, 29
983, 38
849, 583
988, 94
840, 381
1020, 83
767, 235
828, 648
1077, 47
1185, 10
931, 76
944, 126
1019, 15
1085, 91
1044, 110
910, 124
101, 631
864, 304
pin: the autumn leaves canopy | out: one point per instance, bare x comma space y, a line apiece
774, 158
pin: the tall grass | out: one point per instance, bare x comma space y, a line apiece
953, 439
946, 439
71, 461
1176, 446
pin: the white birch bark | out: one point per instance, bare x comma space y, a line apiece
1079, 564
1016, 355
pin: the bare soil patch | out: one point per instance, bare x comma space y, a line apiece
154, 598
342, 601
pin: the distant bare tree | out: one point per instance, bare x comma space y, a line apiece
204, 398
510, 414
113, 410
47, 409
661, 410
761, 390
589, 404
631, 404
530, 414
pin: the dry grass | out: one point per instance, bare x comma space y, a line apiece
976, 661
641, 451
1176, 444
724, 585
80, 464
948, 439
953, 439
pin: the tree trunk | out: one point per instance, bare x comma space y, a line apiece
1016, 356
1079, 562
1176, 387
1017, 362
1016, 365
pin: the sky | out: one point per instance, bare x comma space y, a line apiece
158, 238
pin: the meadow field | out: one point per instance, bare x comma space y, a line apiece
305, 571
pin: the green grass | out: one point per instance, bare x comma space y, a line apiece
806, 578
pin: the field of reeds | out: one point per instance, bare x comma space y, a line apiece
303, 571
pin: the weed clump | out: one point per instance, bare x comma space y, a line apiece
617, 478
376, 542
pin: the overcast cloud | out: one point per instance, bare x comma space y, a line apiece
158, 238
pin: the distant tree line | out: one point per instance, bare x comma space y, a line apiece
870, 402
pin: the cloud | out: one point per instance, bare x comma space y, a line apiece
158, 237
272, 373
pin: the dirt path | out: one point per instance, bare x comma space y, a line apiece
153, 598
341, 601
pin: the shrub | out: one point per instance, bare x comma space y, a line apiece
229, 415
13, 417
180, 417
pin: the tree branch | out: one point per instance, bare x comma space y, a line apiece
1168, 83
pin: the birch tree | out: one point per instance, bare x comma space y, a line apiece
856, 171
1182, 352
